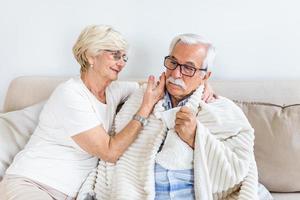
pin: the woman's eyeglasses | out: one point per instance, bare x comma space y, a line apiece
117, 55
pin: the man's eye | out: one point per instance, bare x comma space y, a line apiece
173, 62
190, 68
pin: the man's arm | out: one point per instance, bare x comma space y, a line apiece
227, 160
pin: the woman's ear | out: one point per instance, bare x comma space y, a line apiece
90, 59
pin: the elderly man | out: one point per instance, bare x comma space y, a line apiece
188, 149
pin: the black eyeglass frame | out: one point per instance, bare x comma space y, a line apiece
182, 65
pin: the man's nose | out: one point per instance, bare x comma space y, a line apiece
176, 72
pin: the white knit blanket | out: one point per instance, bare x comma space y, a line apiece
175, 153
223, 158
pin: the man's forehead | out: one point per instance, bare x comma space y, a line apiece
189, 62
189, 54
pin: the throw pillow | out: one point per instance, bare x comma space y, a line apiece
16, 128
277, 144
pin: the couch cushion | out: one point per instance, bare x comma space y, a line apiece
277, 144
15, 130
286, 196
35, 88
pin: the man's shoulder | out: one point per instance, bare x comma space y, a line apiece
222, 112
223, 106
222, 102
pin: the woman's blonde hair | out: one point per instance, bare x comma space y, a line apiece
95, 38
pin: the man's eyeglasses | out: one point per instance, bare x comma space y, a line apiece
185, 69
117, 55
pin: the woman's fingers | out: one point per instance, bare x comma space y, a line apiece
205, 96
209, 94
155, 90
150, 83
162, 81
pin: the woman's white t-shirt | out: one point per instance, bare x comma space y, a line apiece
51, 156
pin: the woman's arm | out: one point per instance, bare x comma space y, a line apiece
97, 142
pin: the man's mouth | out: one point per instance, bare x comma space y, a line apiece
173, 84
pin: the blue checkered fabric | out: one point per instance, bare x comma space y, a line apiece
168, 103
173, 184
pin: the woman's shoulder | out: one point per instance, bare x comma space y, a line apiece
71, 89
122, 89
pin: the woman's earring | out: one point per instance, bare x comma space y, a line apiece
91, 65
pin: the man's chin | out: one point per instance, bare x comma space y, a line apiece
174, 90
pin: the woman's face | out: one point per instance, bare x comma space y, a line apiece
108, 63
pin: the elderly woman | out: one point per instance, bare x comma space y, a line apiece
75, 124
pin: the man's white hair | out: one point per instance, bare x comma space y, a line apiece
192, 39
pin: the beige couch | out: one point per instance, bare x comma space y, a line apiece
272, 107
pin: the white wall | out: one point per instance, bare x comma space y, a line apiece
257, 39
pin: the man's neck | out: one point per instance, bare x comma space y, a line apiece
176, 100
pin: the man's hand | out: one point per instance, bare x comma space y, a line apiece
185, 125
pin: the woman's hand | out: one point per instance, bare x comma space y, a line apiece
208, 94
154, 92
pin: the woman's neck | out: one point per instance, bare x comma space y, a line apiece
96, 84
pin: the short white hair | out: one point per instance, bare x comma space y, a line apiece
95, 38
192, 39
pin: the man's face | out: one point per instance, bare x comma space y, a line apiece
190, 55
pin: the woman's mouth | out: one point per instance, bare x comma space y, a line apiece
115, 70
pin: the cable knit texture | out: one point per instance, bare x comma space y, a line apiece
223, 158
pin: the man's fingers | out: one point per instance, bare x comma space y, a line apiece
183, 116
185, 109
180, 121
176, 127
